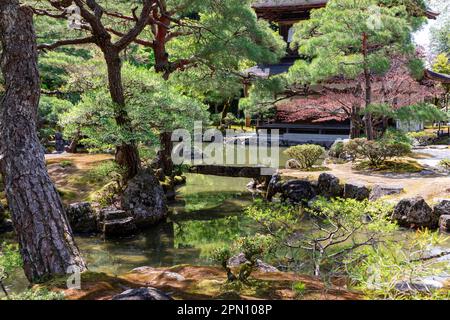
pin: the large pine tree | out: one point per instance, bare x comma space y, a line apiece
353, 38
45, 237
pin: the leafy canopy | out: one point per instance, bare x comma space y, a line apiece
332, 40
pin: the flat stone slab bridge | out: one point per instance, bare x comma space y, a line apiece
233, 171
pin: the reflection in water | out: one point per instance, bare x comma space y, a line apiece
207, 214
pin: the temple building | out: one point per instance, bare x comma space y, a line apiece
319, 117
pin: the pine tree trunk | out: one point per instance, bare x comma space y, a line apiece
165, 154
45, 237
355, 122
127, 154
368, 91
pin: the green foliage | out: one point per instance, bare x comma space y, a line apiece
441, 64
262, 96
392, 166
37, 294
397, 136
392, 263
108, 171
252, 247
221, 256
66, 163
423, 138
50, 111
416, 67
332, 39
152, 104
337, 149
422, 112
299, 288
317, 237
306, 155
377, 152
10, 259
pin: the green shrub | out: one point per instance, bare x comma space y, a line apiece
66, 163
306, 155
393, 135
376, 151
10, 259
252, 247
337, 149
108, 171
299, 288
37, 294
423, 138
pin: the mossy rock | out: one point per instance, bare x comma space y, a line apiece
106, 195
179, 180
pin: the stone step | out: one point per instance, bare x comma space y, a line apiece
112, 214
119, 227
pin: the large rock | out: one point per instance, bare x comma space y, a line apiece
144, 199
415, 213
119, 228
274, 186
82, 217
444, 223
329, 186
297, 191
109, 214
379, 191
442, 208
142, 294
260, 266
6, 226
357, 191
422, 285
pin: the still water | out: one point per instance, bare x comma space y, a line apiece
208, 213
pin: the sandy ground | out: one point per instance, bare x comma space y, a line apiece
430, 186
69, 179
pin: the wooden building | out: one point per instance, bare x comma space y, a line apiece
296, 123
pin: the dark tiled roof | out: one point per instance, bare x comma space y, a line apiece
265, 71
287, 3
440, 77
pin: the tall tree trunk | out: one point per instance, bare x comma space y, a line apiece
72, 148
165, 153
368, 88
127, 154
45, 237
355, 122
225, 109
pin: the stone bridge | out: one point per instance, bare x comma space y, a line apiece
233, 171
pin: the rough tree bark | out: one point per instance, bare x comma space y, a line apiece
45, 237
165, 153
127, 154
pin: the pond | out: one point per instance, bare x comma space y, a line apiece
207, 213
